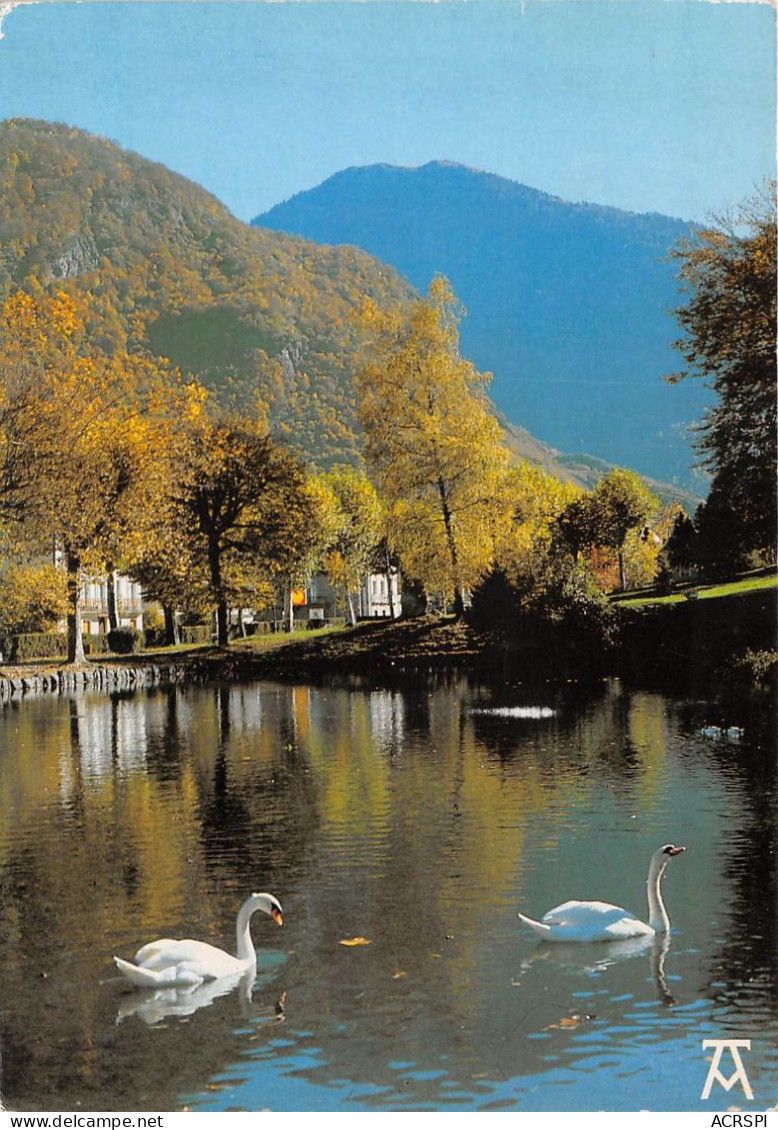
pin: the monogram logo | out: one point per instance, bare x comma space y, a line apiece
738, 1075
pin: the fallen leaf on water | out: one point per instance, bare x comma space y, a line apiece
571, 1021
399, 975
355, 942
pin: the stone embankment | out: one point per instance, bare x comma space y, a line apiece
14, 684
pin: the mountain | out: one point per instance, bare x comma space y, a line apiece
568, 305
258, 316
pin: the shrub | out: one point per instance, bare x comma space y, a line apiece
96, 644
153, 626
495, 604
555, 620
26, 646
124, 640
755, 667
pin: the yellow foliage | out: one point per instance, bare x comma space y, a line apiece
33, 598
434, 442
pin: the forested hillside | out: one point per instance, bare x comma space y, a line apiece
264, 319
568, 305
259, 317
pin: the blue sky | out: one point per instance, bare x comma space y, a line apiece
648, 105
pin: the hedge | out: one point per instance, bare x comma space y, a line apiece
195, 633
38, 645
51, 645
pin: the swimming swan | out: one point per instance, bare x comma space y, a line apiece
167, 962
601, 921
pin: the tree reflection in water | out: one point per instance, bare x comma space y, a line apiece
400, 815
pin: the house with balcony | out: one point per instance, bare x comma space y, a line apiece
95, 604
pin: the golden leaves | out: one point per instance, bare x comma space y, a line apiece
359, 941
434, 442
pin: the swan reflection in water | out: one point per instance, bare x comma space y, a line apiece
597, 957
155, 1005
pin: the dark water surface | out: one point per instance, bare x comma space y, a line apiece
419, 821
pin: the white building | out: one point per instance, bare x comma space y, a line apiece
379, 596
94, 604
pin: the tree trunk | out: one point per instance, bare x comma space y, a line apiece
172, 634
75, 627
459, 603
110, 591
352, 616
288, 617
622, 572
222, 623
390, 589
389, 578
222, 614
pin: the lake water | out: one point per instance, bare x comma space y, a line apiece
417, 820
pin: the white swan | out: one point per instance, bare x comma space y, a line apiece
168, 962
602, 921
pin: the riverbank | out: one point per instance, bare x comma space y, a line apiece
50, 678
702, 642
369, 647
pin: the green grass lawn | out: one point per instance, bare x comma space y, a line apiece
270, 641
265, 641
704, 592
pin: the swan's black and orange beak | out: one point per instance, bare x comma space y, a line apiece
675, 850
277, 916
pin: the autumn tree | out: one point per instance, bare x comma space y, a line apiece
728, 274
72, 442
433, 442
542, 600
621, 504
537, 501
239, 507
575, 525
33, 597
162, 564
357, 530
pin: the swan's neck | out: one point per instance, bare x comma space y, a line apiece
657, 915
246, 951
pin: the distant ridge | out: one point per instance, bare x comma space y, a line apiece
568, 305
260, 317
